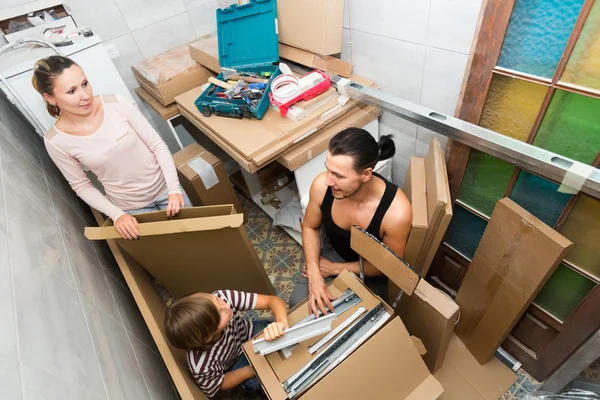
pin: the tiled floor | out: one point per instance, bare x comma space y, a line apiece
282, 257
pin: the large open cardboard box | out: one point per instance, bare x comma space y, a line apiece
202, 249
372, 371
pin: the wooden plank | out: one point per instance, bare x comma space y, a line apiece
516, 256
492, 24
384, 259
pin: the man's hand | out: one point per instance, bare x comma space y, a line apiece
318, 293
326, 268
126, 225
175, 204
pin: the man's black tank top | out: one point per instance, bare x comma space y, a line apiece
340, 238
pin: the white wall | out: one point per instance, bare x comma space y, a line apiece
415, 49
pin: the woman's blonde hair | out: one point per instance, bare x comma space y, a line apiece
45, 72
192, 321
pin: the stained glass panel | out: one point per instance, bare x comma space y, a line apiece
465, 231
512, 106
537, 33
571, 127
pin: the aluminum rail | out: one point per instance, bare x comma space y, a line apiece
526, 156
21, 42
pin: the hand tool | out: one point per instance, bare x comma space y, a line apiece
219, 83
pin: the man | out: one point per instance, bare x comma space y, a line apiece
350, 193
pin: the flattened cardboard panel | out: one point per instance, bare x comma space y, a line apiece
444, 221
464, 378
153, 309
516, 256
389, 356
437, 198
415, 190
384, 260
205, 51
324, 63
430, 315
300, 356
164, 112
319, 143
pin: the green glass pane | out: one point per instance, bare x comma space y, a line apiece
571, 127
485, 181
537, 33
465, 231
563, 292
582, 227
584, 63
540, 197
520, 99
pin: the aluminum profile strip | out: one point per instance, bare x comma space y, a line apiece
521, 154
295, 334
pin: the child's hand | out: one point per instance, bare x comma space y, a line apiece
275, 330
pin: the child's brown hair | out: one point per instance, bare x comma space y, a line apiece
191, 321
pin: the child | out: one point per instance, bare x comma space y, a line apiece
209, 329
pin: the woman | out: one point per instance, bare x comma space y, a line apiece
112, 138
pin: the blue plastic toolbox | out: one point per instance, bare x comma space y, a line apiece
248, 43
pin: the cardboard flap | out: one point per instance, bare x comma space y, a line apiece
464, 378
419, 345
169, 227
384, 259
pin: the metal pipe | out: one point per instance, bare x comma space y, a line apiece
33, 118
524, 155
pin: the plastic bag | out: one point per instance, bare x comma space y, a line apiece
168, 65
569, 394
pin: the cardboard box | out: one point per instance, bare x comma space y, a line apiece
204, 179
325, 63
464, 379
311, 25
205, 51
202, 249
372, 371
430, 315
169, 74
165, 113
516, 256
319, 143
153, 308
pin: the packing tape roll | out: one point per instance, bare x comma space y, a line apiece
205, 171
341, 85
575, 177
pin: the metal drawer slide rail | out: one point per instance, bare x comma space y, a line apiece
337, 351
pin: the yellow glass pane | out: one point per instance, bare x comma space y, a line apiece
512, 106
582, 227
584, 65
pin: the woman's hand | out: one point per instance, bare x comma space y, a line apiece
275, 330
176, 203
127, 227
